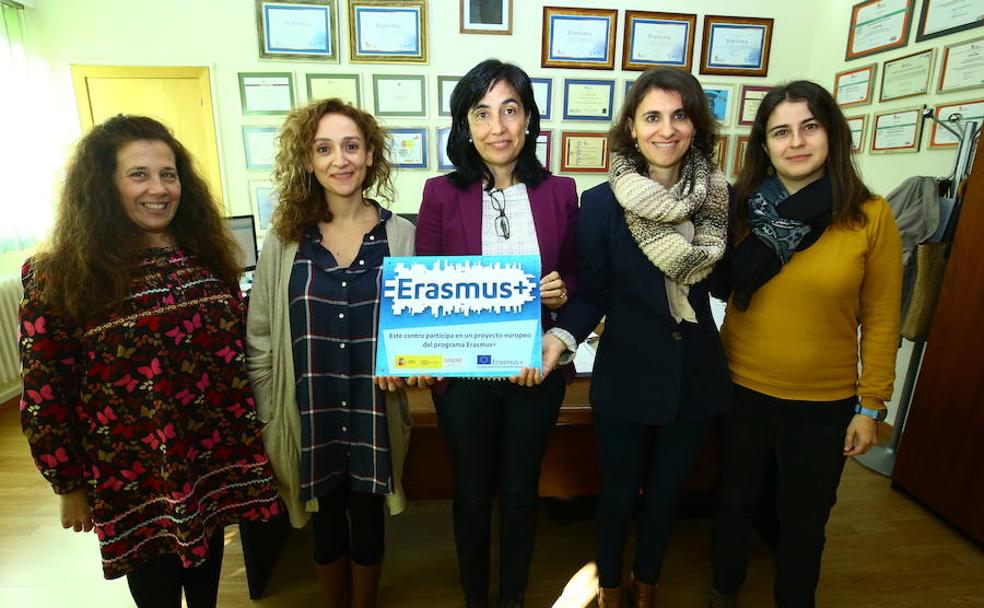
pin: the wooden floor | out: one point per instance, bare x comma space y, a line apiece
883, 550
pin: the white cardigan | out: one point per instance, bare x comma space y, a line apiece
271, 372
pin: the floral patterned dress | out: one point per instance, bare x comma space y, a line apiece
149, 409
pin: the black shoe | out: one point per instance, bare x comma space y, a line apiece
720, 600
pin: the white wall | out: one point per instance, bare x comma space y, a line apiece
222, 35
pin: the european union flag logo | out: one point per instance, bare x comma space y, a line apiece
484, 360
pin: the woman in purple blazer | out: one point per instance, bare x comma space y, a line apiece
499, 201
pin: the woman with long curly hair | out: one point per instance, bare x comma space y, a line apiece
336, 439
136, 400
816, 273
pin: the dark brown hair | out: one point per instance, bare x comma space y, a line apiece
694, 104
300, 198
87, 264
849, 192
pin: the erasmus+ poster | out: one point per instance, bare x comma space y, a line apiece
459, 316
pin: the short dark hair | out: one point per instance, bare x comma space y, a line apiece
848, 189
468, 165
694, 104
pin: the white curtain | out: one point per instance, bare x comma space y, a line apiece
25, 165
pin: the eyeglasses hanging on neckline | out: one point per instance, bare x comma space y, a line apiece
499, 204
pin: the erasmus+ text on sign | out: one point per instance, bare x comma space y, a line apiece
459, 316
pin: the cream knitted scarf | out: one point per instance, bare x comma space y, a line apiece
651, 211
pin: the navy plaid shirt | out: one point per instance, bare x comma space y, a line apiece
333, 323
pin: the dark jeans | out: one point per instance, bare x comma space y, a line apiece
348, 520
497, 432
657, 459
807, 440
158, 582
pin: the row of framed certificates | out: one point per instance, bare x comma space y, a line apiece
901, 130
883, 25
380, 31
395, 31
583, 151
405, 95
961, 68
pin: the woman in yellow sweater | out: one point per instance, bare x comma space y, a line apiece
817, 257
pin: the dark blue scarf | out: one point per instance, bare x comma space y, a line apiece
780, 224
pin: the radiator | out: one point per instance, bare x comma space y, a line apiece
10, 297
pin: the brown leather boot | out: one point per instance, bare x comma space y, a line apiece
334, 580
609, 597
365, 585
643, 595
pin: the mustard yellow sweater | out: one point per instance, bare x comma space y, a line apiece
799, 338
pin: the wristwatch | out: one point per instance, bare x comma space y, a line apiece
876, 415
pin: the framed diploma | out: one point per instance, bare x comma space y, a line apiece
409, 149
583, 152
878, 26
343, 86
721, 152
855, 87
628, 87
543, 94
751, 99
942, 17
963, 66
259, 144
967, 110
485, 16
897, 131
736, 46
543, 148
578, 38
720, 100
459, 316
264, 198
297, 29
445, 85
857, 125
740, 148
396, 95
388, 31
658, 39
443, 162
907, 76
588, 99
266, 93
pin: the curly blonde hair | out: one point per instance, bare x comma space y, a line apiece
300, 198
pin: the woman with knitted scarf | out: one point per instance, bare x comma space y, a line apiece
646, 241
817, 257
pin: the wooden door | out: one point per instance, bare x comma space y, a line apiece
179, 97
941, 457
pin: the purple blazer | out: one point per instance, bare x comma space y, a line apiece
450, 223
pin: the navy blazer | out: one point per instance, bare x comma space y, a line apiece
649, 368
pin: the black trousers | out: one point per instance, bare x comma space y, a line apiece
158, 583
497, 432
346, 522
657, 459
807, 440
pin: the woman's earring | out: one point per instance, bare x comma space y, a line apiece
527, 131
469, 140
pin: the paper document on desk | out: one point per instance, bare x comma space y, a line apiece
585, 355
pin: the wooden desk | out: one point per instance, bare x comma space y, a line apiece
570, 466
